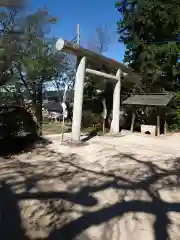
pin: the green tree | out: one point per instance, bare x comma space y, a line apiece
30, 58
149, 29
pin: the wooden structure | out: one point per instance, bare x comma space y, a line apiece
88, 58
158, 101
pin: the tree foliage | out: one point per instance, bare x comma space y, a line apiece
28, 58
150, 29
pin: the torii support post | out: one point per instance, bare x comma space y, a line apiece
85, 55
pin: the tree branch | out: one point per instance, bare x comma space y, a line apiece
24, 82
14, 93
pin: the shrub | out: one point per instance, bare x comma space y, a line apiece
16, 120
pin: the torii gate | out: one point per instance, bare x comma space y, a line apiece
85, 55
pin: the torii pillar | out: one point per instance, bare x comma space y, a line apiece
78, 100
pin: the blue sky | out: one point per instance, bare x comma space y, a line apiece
89, 14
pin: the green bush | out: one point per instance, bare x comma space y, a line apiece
16, 120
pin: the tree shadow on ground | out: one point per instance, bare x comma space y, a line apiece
10, 213
10, 219
18, 144
90, 136
152, 183
157, 207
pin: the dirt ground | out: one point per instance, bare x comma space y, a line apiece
123, 187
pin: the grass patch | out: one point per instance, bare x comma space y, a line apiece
55, 127
97, 128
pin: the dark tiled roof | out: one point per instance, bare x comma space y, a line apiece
53, 107
159, 100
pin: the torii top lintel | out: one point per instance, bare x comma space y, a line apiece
69, 47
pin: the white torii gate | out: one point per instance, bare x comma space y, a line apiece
85, 55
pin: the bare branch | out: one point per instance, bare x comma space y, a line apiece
99, 43
103, 39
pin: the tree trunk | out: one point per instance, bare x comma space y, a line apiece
38, 108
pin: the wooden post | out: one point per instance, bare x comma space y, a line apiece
103, 125
165, 127
165, 122
78, 34
132, 122
158, 123
62, 130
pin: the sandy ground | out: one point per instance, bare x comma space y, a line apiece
123, 187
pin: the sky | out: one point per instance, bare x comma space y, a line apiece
90, 14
